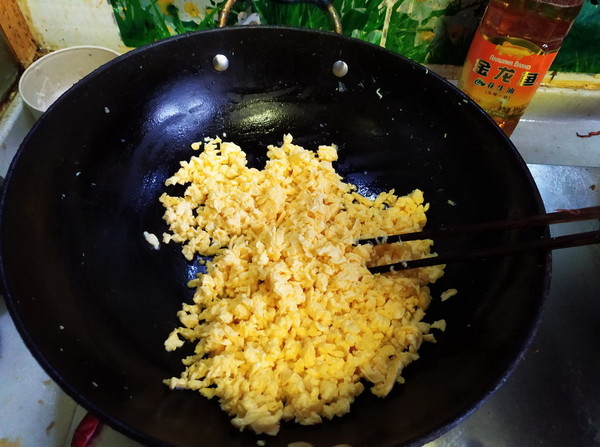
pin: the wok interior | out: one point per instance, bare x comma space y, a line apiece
94, 302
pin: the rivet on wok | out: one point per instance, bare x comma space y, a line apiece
340, 69
220, 62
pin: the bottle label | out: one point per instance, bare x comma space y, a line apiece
503, 74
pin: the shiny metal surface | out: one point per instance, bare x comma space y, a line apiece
553, 397
340, 69
220, 62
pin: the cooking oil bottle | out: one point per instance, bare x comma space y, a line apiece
513, 48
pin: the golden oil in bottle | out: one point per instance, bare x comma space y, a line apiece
513, 48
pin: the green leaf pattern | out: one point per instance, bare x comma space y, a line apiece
427, 31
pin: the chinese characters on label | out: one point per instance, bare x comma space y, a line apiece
502, 75
500, 78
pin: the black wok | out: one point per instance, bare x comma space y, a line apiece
94, 302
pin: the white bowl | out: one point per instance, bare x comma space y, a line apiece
53, 74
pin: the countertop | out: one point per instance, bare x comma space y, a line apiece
553, 397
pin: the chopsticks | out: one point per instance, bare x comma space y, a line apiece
551, 243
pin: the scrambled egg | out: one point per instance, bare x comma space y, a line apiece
288, 322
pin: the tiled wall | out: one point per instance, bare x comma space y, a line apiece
62, 23
428, 31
